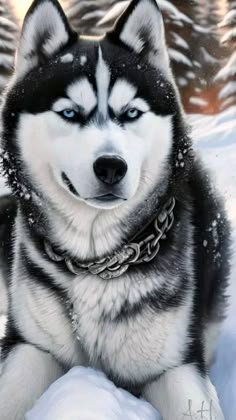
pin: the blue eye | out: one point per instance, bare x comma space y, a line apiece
133, 113
69, 114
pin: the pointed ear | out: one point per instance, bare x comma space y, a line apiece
45, 32
141, 28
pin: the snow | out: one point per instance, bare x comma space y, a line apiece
115, 11
179, 41
212, 132
208, 58
173, 11
7, 35
6, 60
6, 44
229, 70
7, 23
83, 60
182, 82
229, 19
84, 394
164, 5
191, 75
223, 372
179, 57
67, 58
228, 90
194, 100
96, 14
229, 36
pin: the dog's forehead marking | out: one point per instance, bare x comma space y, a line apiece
140, 103
61, 104
103, 82
82, 93
121, 95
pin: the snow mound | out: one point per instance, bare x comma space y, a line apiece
85, 394
223, 372
214, 131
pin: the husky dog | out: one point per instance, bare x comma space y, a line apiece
121, 246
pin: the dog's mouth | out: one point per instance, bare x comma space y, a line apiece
105, 201
69, 184
103, 198
107, 197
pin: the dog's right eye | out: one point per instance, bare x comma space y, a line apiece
72, 115
131, 114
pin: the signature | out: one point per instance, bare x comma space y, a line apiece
205, 411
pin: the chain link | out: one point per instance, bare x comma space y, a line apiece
131, 254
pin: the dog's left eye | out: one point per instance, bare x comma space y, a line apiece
69, 114
74, 116
132, 114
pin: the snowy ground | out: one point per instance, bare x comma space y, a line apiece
86, 395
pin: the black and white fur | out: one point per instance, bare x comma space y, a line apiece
153, 330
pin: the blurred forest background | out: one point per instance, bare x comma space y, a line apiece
201, 36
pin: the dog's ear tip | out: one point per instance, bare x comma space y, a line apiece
45, 31
141, 28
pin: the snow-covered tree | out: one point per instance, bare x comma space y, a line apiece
84, 15
8, 37
209, 52
227, 75
183, 39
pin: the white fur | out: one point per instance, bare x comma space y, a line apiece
83, 95
140, 104
45, 18
120, 347
121, 95
26, 374
36, 307
62, 104
182, 393
103, 81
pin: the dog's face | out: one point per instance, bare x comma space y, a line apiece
92, 119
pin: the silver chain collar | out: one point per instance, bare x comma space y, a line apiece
131, 254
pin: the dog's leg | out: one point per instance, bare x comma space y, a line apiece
26, 374
183, 393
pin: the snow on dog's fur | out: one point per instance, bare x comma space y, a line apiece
94, 143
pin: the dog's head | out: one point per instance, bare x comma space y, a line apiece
91, 121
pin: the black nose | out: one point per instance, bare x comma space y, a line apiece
110, 169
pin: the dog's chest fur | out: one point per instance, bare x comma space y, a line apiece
135, 346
